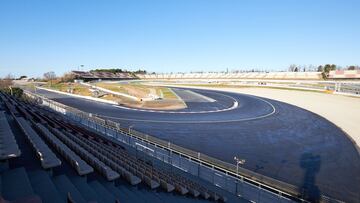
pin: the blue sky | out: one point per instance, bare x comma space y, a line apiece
176, 36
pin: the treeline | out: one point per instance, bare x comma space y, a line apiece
52, 78
324, 69
321, 68
6, 85
69, 76
118, 70
6, 82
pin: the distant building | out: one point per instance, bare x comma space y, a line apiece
345, 74
95, 75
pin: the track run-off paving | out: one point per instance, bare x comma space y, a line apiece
276, 139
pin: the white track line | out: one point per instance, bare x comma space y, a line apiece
234, 106
208, 121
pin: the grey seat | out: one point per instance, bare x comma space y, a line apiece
24, 112
47, 157
106, 171
81, 167
120, 161
8, 146
129, 176
11, 108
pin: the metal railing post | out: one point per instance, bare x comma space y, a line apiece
254, 179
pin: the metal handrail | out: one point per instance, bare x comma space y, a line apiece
265, 182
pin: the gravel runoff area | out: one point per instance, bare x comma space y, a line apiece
343, 111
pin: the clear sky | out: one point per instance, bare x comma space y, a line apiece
176, 35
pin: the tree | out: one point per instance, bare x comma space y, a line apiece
332, 67
328, 68
140, 71
110, 70
353, 68
6, 82
6, 86
67, 77
292, 68
15, 91
49, 76
320, 68
311, 67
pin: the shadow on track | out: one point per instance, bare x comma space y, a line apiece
311, 164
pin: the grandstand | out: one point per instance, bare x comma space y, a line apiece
102, 75
344, 74
240, 75
45, 157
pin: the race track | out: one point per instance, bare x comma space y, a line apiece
276, 139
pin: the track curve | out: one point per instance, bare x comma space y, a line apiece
282, 141
235, 113
233, 104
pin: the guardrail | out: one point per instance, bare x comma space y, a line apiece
241, 175
287, 190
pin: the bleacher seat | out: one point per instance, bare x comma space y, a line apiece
47, 157
81, 167
77, 145
101, 75
248, 75
8, 146
105, 157
101, 167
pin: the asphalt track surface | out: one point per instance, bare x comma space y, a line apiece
278, 140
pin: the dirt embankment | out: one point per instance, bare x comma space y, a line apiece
165, 104
166, 99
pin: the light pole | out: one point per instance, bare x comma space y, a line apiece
131, 126
80, 67
238, 161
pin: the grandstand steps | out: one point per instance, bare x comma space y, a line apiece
106, 195
65, 186
85, 189
130, 196
145, 195
123, 197
28, 158
158, 196
44, 187
169, 197
4, 166
54, 185
16, 184
177, 198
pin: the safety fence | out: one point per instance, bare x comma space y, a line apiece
237, 180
